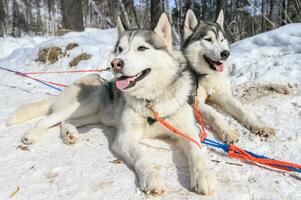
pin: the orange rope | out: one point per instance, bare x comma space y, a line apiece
173, 129
203, 133
233, 151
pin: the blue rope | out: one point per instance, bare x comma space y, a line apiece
22, 74
225, 148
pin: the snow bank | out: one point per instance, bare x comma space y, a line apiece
87, 170
269, 57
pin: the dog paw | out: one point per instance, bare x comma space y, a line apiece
152, 183
69, 134
29, 139
262, 131
203, 181
230, 137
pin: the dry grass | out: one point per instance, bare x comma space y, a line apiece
50, 55
249, 93
78, 59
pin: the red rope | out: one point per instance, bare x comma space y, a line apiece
58, 72
49, 82
68, 71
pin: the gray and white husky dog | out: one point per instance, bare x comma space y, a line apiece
150, 74
207, 50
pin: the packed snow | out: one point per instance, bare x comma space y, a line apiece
89, 170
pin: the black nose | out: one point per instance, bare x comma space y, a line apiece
117, 64
225, 54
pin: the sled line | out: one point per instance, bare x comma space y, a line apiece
232, 150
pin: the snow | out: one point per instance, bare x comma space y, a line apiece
268, 57
87, 170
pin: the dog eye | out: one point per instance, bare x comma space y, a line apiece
119, 49
142, 48
208, 39
222, 40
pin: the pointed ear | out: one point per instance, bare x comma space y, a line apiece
190, 24
163, 29
220, 18
120, 26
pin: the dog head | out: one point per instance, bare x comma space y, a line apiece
143, 60
205, 44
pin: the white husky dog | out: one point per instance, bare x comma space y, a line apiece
207, 50
150, 75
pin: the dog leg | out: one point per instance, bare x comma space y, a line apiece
215, 120
35, 134
202, 180
127, 145
217, 123
236, 109
69, 132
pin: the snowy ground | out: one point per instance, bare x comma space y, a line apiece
88, 170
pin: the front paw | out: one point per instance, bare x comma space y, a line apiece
152, 183
203, 181
31, 137
69, 133
262, 130
230, 136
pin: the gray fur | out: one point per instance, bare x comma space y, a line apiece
202, 30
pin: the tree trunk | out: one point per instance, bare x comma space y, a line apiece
155, 11
262, 16
131, 13
72, 15
2, 19
219, 6
284, 12
204, 9
271, 10
189, 4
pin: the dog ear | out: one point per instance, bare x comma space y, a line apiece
163, 29
220, 19
190, 24
120, 26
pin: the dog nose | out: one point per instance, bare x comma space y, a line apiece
117, 64
225, 54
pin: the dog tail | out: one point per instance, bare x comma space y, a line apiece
29, 111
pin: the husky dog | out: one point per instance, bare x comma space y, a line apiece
207, 50
150, 76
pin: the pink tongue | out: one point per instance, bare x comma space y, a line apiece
122, 84
219, 67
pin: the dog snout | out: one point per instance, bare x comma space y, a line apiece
225, 54
117, 65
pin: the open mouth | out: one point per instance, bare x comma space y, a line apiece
215, 65
126, 82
